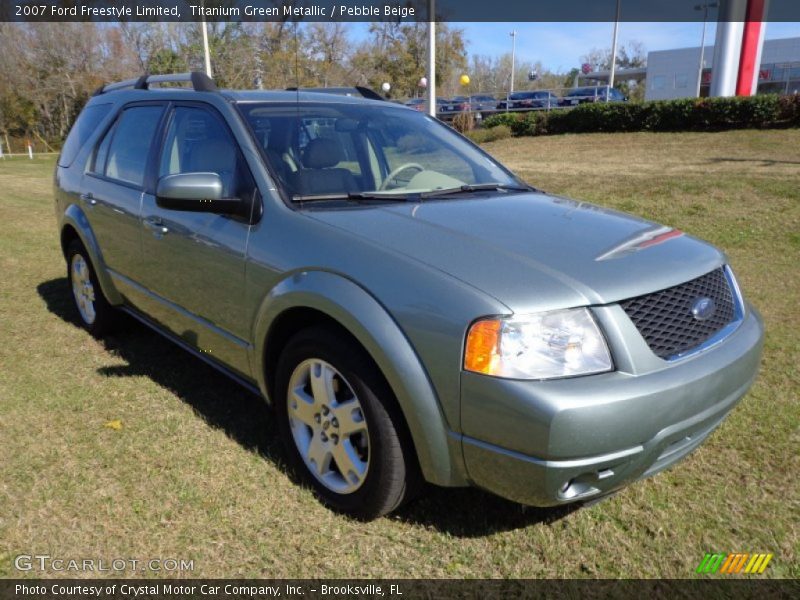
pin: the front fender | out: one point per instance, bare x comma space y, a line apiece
439, 454
74, 216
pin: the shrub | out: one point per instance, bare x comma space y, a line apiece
464, 122
492, 134
507, 119
789, 110
690, 114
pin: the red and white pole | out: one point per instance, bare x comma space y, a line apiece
737, 51
752, 45
728, 47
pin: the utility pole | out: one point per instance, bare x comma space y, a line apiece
704, 7
205, 47
613, 74
513, 35
432, 58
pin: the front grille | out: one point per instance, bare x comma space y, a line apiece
665, 318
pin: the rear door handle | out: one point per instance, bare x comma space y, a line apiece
155, 225
89, 198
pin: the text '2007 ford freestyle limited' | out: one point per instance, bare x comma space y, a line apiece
411, 309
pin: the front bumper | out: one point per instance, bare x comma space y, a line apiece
546, 443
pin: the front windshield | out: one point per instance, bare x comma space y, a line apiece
348, 150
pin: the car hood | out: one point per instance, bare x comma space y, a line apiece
534, 251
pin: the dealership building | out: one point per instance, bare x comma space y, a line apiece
673, 74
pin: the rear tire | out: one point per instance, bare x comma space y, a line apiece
96, 315
342, 428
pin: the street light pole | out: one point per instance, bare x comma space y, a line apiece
613, 73
704, 7
513, 35
432, 58
205, 47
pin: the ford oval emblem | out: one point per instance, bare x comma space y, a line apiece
703, 308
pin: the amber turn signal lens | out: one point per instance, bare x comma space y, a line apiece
482, 345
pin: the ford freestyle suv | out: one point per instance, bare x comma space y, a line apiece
411, 310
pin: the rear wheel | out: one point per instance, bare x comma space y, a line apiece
95, 313
341, 425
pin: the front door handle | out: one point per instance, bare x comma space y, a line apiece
88, 197
155, 225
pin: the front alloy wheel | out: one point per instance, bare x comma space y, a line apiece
342, 427
328, 426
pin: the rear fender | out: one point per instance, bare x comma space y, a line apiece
75, 218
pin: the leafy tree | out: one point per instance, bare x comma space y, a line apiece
630, 55
397, 53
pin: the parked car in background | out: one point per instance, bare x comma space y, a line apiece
541, 99
411, 309
584, 95
485, 105
421, 105
460, 104
417, 104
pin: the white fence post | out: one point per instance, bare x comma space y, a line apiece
30, 151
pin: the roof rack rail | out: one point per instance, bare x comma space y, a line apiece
360, 90
199, 80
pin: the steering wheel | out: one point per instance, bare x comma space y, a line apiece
393, 175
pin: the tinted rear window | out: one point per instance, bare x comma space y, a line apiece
85, 125
130, 144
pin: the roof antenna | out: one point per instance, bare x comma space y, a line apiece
297, 60
297, 82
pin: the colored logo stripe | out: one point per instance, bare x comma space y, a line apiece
734, 563
758, 563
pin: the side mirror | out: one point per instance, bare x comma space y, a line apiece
195, 192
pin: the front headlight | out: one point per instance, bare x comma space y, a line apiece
560, 343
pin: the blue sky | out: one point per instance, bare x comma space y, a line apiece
559, 46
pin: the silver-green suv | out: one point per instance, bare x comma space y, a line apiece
411, 309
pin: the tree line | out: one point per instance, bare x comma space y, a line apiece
49, 70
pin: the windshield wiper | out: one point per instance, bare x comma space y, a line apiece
478, 187
349, 196
414, 196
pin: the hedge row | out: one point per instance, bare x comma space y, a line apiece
691, 114
489, 134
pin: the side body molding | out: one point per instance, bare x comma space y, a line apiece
75, 217
365, 318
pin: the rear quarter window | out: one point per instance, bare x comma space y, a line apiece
84, 126
123, 153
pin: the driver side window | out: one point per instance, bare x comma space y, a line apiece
198, 141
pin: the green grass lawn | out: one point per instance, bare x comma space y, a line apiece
196, 471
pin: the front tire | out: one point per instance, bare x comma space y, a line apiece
341, 426
94, 312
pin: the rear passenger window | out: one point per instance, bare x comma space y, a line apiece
122, 155
86, 124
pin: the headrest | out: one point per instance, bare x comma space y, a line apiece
322, 153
